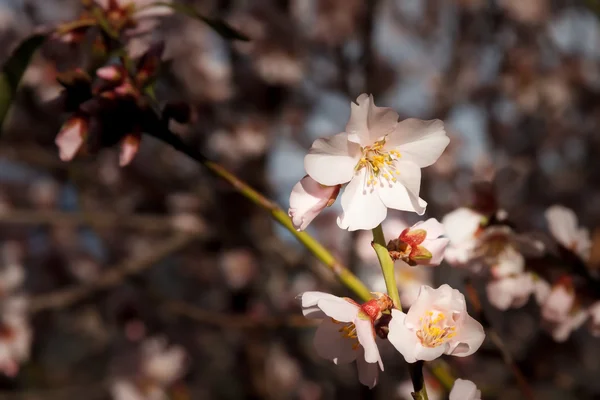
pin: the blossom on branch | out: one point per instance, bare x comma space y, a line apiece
437, 323
464, 390
380, 159
564, 227
421, 244
347, 332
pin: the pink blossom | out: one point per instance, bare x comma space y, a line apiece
461, 227
421, 244
563, 225
437, 323
562, 330
346, 333
464, 390
380, 160
308, 199
511, 291
558, 304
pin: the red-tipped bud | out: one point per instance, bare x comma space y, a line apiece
129, 148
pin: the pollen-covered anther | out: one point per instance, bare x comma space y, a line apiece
434, 329
379, 163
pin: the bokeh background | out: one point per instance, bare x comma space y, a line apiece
517, 83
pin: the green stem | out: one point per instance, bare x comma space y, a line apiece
389, 275
343, 274
387, 265
416, 375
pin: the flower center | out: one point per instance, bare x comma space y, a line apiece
434, 330
348, 331
379, 163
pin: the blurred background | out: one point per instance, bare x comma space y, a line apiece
197, 286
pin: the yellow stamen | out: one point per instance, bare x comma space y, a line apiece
435, 330
379, 164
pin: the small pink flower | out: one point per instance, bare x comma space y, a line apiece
437, 323
511, 291
346, 332
563, 225
420, 244
464, 390
308, 199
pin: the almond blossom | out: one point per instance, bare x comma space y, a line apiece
559, 302
511, 291
308, 199
347, 332
380, 160
437, 323
464, 390
563, 225
420, 244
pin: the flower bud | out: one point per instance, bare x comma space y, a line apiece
72, 136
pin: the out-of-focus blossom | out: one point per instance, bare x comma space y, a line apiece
437, 323
562, 330
461, 227
308, 199
71, 137
239, 268
159, 367
347, 332
15, 343
12, 277
564, 227
464, 390
559, 302
421, 244
511, 291
381, 161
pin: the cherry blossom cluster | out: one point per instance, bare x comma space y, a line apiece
377, 163
490, 248
15, 331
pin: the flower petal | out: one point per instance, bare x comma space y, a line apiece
418, 141
330, 344
369, 123
429, 353
366, 338
404, 194
368, 374
331, 161
464, 390
363, 208
339, 309
309, 301
432, 226
437, 248
401, 337
562, 223
308, 199
469, 337
461, 224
